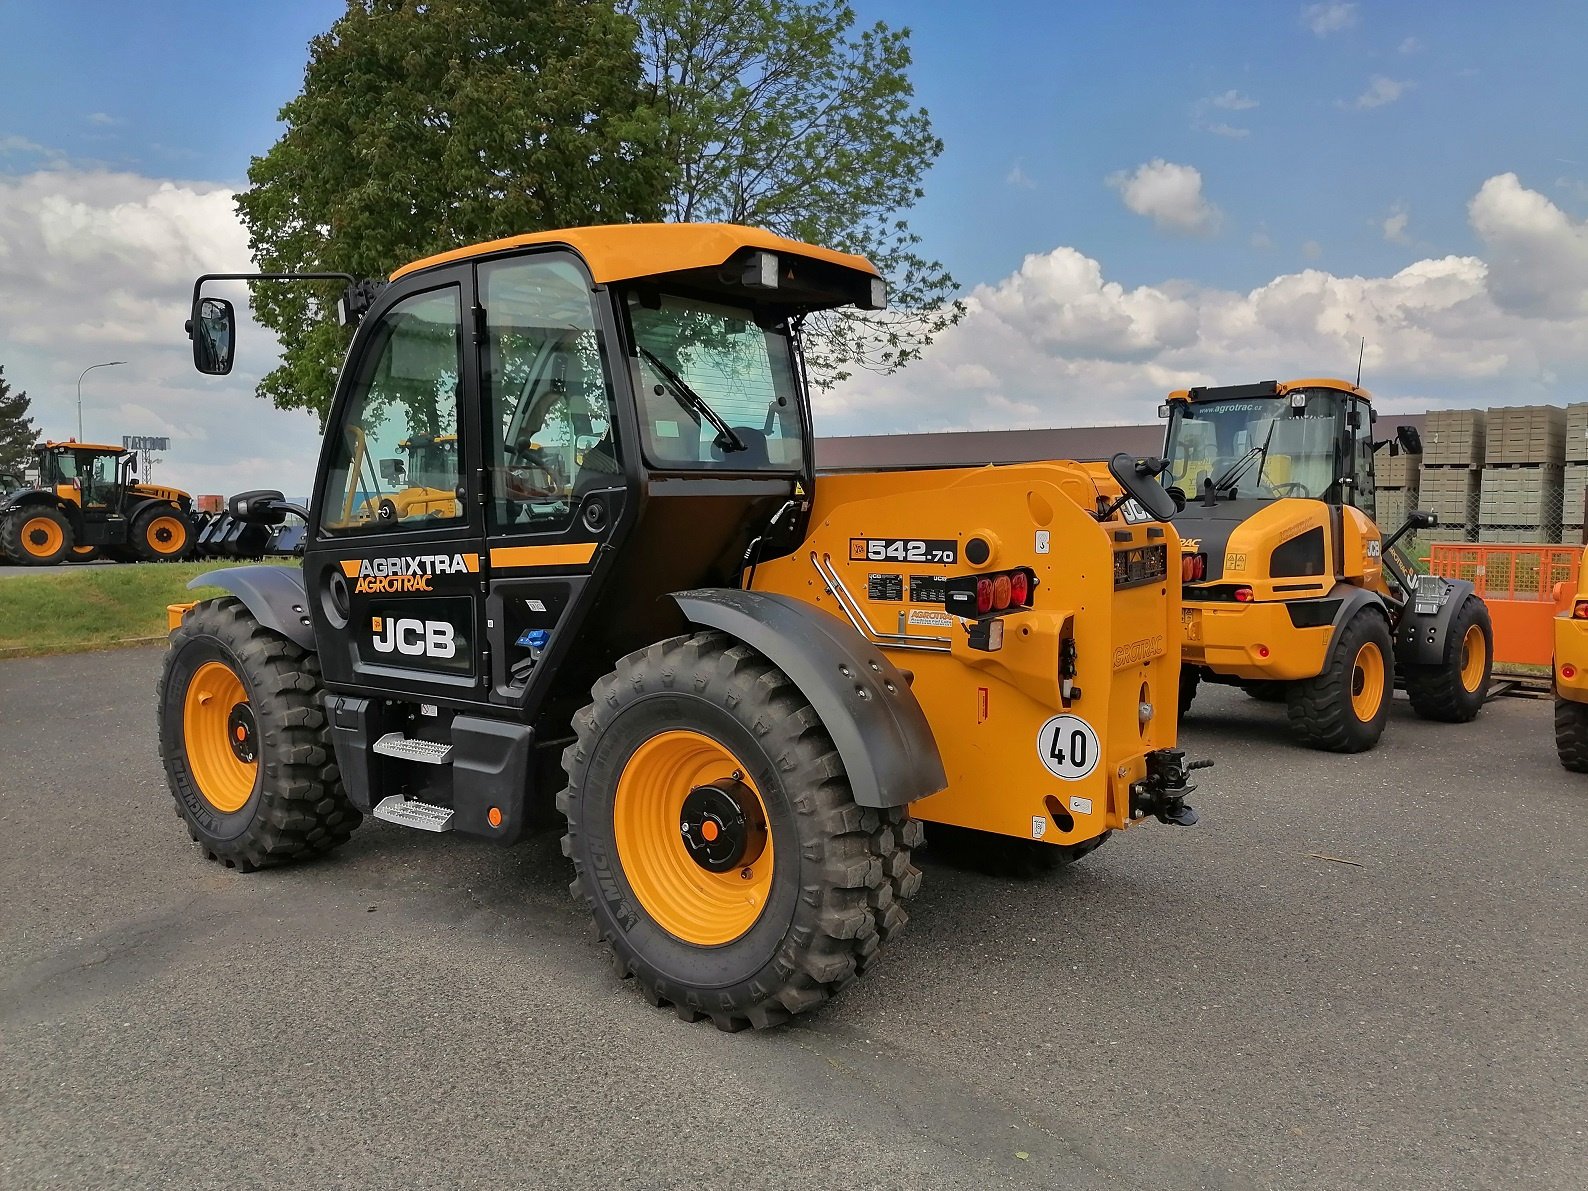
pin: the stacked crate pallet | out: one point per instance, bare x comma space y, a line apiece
1523, 477
1453, 447
1396, 479
1575, 483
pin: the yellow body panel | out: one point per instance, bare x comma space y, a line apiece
1571, 644
620, 252
174, 614
1362, 549
1311, 382
988, 708
1229, 639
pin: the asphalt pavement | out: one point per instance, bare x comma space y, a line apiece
1356, 972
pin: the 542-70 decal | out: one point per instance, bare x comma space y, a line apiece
940, 551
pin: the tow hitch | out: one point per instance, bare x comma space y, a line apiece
1163, 791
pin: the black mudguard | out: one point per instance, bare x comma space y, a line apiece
274, 595
882, 735
1420, 639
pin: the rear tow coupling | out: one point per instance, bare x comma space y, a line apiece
1163, 791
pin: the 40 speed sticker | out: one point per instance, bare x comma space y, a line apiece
1068, 747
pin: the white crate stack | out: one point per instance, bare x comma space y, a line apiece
1395, 479
1574, 487
1453, 449
1522, 484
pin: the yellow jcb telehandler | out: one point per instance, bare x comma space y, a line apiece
744, 687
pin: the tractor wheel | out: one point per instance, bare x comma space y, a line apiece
1344, 709
161, 534
1571, 734
243, 737
85, 554
36, 536
716, 841
1266, 692
1190, 679
1453, 690
1004, 855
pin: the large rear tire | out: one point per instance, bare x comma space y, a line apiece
716, 840
1345, 708
1571, 734
1453, 690
36, 536
244, 740
162, 534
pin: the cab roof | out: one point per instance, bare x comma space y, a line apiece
74, 445
625, 251
1268, 388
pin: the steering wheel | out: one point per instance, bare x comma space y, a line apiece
1290, 488
534, 477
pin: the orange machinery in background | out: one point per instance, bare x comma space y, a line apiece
1525, 587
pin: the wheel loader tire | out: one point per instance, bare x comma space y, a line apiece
1004, 855
716, 841
162, 534
1454, 689
1190, 679
36, 536
244, 740
85, 554
1571, 734
1267, 692
1344, 709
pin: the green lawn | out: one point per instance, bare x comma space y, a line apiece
93, 607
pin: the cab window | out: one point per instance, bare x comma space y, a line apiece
396, 459
698, 359
549, 419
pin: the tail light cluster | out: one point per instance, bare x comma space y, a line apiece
1579, 610
1193, 568
975, 596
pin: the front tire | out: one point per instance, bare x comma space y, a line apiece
1453, 690
1571, 734
789, 893
1344, 709
36, 536
161, 534
244, 740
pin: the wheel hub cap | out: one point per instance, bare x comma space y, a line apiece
240, 732
721, 826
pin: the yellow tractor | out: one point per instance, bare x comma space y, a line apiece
88, 502
744, 688
1290, 590
1571, 677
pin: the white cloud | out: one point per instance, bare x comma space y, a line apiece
1261, 240
1057, 343
100, 266
1233, 101
1380, 91
1324, 19
1394, 225
1018, 178
1312, 250
103, 120
1168, 194
1410, 46
1229, 131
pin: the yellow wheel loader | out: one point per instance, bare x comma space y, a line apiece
1290, 590
88, 502
744, 688
1571, 678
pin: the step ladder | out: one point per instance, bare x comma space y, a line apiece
410, 812
427, 752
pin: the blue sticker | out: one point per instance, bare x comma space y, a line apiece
534, 638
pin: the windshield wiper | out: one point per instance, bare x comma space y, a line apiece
727, 440
1233, 472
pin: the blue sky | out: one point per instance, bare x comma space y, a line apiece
1143, 192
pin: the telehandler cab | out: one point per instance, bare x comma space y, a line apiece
88, 502
1291, 592
745, 688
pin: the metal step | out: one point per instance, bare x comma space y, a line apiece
395, 744
407, 812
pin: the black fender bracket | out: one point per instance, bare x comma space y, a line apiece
1420, 636
275, 595
882, 735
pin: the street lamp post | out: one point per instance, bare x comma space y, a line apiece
85, 372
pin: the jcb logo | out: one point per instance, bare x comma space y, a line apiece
413, 638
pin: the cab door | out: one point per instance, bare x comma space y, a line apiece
398, 569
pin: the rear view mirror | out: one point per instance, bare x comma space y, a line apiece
132, 465
1139, 479
1411, 441
213, 329
391, 470
260, 506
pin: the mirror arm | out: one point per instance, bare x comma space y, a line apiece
360, 291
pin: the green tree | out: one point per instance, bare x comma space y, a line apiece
425, 125
17, 432
782, 114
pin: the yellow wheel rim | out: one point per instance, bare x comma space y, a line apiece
1367, 682
167, 535
220, 737
1474, 656
658, 809
41, 536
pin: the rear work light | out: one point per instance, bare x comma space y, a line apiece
1243, 595
1579, 610
975, 596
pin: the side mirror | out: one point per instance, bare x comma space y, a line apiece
213, 329
1411, 441
132, 466
258, 507
391, 470
1139, 479
1422, 518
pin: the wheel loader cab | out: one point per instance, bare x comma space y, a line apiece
1289, 587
